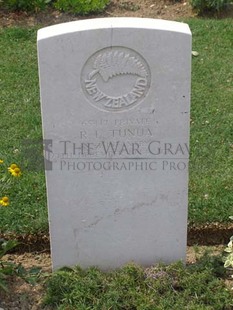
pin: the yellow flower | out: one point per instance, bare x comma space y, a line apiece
12, 167
1, 161
4, 201
16, 172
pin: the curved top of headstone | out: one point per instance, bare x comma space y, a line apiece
115, 22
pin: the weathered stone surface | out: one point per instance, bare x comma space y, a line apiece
115, 97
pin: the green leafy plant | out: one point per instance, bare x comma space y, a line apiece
129, 6
25, 5
82, 7
228, 258
203, 6
8, 269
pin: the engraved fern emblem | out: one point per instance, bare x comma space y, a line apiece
115, 63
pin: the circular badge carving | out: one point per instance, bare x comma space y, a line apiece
115, 79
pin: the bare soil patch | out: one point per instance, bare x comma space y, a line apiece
206, 235
22, 295
163, 9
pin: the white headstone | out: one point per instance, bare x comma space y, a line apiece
115, 97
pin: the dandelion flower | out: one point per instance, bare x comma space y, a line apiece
16, 172
4, 201
1, 161
12, 167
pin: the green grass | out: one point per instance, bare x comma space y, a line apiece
210, 190
20, 120
195, 287
211, 164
